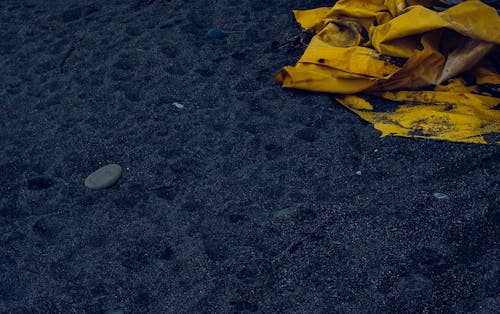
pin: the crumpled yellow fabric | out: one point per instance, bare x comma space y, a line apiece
415, 72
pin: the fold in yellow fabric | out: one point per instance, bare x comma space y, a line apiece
409, 70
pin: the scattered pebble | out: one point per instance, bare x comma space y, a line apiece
358, 172
104, 177
178, 105
441, 196
285, 212
214, 33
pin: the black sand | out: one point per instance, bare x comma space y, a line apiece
192, 226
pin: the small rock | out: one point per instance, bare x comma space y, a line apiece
104, 177
214, 33
178, 105
441, 196
285, 212
358, 173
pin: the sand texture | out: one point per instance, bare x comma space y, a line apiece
236, 196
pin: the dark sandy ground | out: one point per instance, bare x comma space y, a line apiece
245, 201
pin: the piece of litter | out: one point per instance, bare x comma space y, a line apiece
441, 196
358, 173
436, 89
214, 33
178, 105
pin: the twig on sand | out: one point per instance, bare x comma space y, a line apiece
299, 41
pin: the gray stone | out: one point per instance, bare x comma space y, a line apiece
441, 196
285, 212
104, 177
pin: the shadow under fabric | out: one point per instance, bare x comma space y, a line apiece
407, 69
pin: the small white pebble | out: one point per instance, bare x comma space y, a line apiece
358, 172
376, 150
441, 196
178, 105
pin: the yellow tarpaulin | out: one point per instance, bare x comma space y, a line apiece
416, 72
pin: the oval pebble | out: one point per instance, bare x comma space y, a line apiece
285, 212
441, 196
178, 105
104, 177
